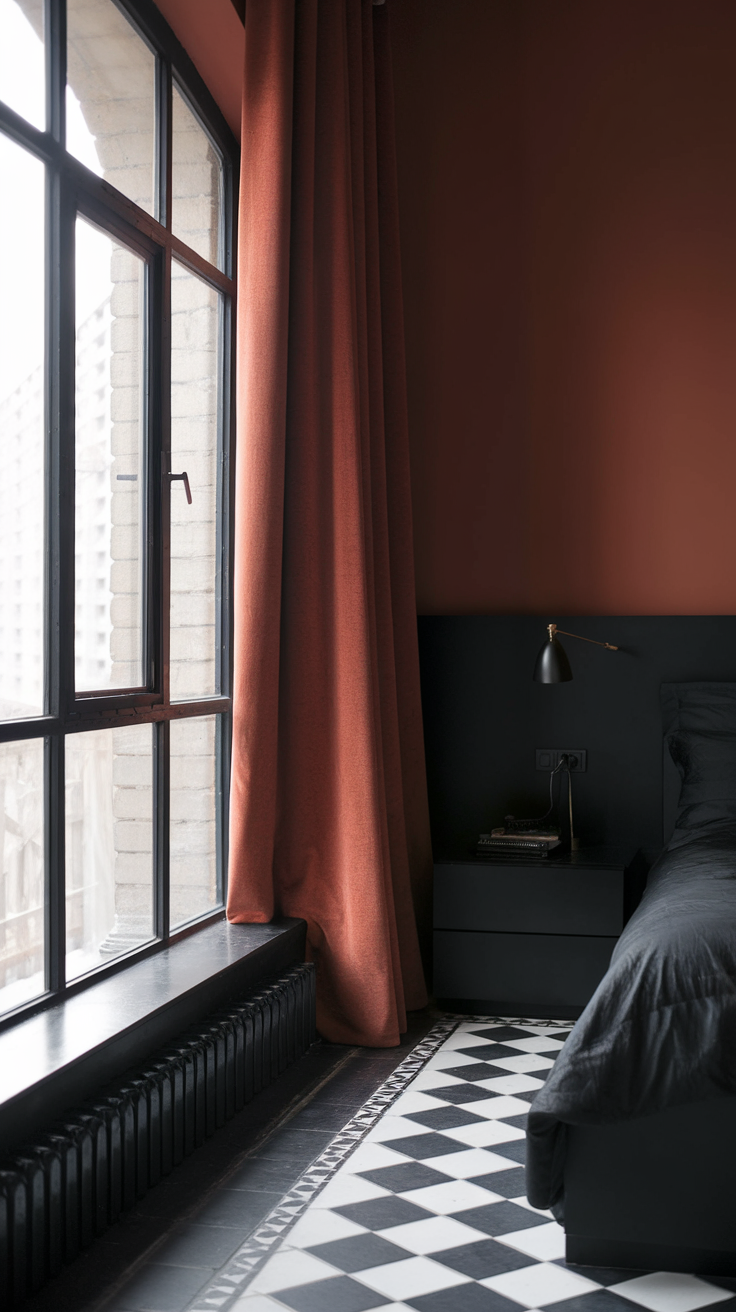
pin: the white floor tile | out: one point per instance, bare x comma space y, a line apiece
393, 1127
461, 1039
545, 1242
371, 1156
287, 1269
345, 1188
410, 1279
500, 1106
258, 1303
435, 1080
669, 1291
510, 1084
433, 1235
538, 1044
474, 1161
485, 1133
523, 1063
540, 1285
449, 1057
318, 1225
416, 1102
451, 1197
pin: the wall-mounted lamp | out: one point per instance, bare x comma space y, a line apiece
552, 664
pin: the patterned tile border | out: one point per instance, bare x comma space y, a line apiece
231, 1281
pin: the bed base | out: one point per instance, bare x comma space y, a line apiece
657, 1193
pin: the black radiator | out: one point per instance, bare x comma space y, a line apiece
59, 1192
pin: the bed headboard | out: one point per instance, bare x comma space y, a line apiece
484, 717
670, 793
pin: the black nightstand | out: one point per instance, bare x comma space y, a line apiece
536, 937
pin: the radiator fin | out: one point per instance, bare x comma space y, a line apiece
59, 1193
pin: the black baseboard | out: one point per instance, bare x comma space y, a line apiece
582, 1250
503, 1007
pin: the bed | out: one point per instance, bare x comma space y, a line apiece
632, 1140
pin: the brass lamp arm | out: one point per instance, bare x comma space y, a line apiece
553, 629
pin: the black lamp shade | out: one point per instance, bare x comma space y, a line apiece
552, 664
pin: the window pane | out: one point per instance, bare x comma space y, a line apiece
21, 433
109, 487
196, 209
22, 63
195, 405
194, 806
110, 98
22, 889
109, 847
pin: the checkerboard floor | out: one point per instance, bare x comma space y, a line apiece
429, 1212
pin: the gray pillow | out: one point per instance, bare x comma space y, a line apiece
699, 707
706, 763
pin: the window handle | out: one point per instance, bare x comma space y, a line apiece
185, 480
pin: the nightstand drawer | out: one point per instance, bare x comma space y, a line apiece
522, 969
544, 899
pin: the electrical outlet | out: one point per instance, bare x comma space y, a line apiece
548, 758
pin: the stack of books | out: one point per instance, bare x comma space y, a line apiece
510, 842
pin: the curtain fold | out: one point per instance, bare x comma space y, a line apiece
328, 808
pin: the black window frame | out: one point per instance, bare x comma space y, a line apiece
73, 189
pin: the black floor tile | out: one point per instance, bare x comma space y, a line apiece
599, 1300
463, 1298
445, 1118
358, 1252
357, 1078
295, 1143
405, 1176
200, 1245
160, 1289
496, 1034
500, 1218
240, 1209
515, 1151
322, 1115
462, 1093
603, 1275
337, 1294
519, 1121
486, 1051
483, 1258
422, 1146
480, 1070
509, 1184
381, 1213
267, 1173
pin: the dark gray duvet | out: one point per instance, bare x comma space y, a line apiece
661, 1027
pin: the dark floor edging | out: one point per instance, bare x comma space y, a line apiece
231, 1281
74, 1181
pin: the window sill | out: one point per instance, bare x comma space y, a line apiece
64, 1054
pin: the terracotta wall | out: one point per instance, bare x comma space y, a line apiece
568, 190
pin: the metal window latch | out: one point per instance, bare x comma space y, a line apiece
185, 480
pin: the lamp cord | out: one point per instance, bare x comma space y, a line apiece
511, 820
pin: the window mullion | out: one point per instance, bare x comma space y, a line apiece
163, 141
54, 840
161, 813
160, 474
56, 69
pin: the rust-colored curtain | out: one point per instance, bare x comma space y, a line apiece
329, 814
